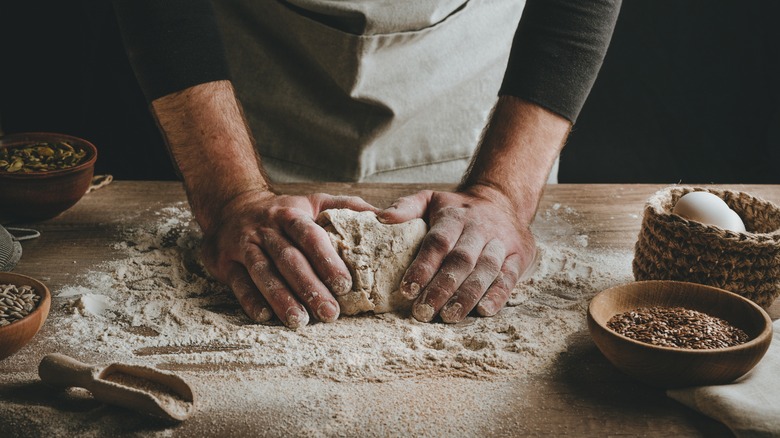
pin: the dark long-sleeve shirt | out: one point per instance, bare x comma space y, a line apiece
556, 53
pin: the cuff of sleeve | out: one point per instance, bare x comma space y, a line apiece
172, 44
557, 52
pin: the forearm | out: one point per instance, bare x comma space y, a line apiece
210, 144
517, 152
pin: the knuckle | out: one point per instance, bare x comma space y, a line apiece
477, 284
502, 285
308, 237
461, 257
288, 254
249, 238
491, 261
455, 213
258, 266
272, 285
438, 241
437, 294
299, 223
252, 255
288, 215
240, 285
513, 270
470, 297
310, 295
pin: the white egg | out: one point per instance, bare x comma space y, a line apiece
709, 209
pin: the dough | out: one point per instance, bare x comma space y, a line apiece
376, 255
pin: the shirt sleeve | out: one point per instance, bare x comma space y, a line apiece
171, 44
557, 51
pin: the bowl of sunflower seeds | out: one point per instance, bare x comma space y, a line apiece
43, 174
24, 306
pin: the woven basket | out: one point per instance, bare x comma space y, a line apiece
670, 247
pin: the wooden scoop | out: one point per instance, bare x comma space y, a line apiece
143, 389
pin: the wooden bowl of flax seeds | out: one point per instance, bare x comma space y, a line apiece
24, 306
674, 334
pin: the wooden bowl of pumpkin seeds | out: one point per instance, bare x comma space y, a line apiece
43, 174
24, 306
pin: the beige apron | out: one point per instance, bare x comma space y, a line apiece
367, 90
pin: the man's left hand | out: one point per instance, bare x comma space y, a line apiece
474, 252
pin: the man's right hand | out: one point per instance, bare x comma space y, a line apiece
275, 258
265, 246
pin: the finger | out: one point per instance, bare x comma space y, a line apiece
455, 268
301, 278
498, 293
439, 241
247, 294
406, 208
486, 270
279, 297
314, 242
350, 202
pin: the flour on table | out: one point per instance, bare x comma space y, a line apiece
376, 255
159, 307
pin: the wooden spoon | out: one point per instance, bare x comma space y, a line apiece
143, 389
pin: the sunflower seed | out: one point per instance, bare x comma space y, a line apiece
16, 302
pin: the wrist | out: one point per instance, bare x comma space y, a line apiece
515, 156
210, 143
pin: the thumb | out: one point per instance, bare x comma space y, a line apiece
406, 208
350, 202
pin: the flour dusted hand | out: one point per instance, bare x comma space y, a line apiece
376, 255
274, 257
471, 258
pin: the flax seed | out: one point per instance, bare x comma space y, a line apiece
677, 327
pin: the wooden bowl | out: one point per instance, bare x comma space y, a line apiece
16, 335
42, 195
677, 367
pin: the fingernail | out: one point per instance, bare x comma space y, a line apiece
423, 312
262, 314
327, 312
341, 285
410, 289
296, 318
486, 308
451, 312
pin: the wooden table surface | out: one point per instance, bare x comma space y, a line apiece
586, 396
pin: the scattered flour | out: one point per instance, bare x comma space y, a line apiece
157, 306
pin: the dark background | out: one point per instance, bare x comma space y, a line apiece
688, 92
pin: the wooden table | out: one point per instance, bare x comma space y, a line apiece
586, 396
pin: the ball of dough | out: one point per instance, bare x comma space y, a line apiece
376, 255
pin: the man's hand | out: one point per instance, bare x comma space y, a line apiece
270, 252
265, 246
474, 253
479, 242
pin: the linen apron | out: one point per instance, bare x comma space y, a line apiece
367, 90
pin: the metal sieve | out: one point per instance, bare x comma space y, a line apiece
10, 248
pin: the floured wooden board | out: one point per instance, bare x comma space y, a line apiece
531, 370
